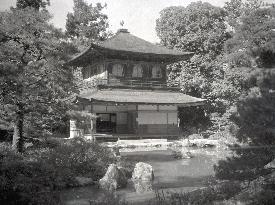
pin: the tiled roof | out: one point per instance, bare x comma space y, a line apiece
141, 97
125, 44
124, 41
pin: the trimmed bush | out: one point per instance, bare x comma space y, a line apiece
80, 158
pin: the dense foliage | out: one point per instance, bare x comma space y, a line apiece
36, 4
80, 158
236, 75
38, 175
27, 182
229, 45
251, 44
86, 24
34, 85
199, 28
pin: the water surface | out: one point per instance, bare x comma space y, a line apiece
170, 175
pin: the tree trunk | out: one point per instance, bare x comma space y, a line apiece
18, 138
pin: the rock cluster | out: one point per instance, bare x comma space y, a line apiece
113, 179
116, 178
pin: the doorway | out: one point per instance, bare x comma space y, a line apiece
106, 123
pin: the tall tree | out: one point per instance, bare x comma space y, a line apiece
87, 23
36, 4
251, 42
34, 84
236, 9
199, 28
256, 108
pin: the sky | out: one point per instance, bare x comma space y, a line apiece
139, 16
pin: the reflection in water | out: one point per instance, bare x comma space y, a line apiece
142, 186
185, 162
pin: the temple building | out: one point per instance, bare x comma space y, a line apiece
132, 97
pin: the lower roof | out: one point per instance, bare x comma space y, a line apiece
128, 96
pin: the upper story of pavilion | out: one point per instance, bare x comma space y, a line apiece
127, 61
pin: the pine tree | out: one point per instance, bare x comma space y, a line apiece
86, 24
34, 84
255, 114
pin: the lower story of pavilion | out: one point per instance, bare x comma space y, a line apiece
139, 114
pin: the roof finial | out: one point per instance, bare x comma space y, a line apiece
122, 23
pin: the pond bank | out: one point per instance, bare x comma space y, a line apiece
201, 143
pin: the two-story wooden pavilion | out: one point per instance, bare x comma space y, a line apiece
132, 96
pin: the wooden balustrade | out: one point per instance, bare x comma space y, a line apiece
133, 83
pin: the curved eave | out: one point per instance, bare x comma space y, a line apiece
141, 56
96, 52
128, 96
81, 58
109, 102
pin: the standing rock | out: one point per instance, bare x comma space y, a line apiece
142, 177
142, 186
113, 179
143, 171
270, 165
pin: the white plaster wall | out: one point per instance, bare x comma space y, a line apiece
147, 107
113, 108
118, 108
99, 108
173, 118
168, 107
152, 118
159, 118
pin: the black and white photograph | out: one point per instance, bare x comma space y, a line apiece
137, 102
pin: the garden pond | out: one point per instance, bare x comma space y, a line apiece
170, 175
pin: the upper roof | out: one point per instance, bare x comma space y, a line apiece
129, 96
125, 45
124, 41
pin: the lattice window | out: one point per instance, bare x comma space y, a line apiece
137, 71
117, 70
156, 72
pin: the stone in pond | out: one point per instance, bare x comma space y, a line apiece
182, 155
113, 179
84, 181
142, 186
270, 165
143, 171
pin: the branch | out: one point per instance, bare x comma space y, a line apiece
39, 57
45, 74
27, 47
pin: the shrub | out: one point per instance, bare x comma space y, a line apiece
37, 176
26, 182
80, 158
201, 196
266, 197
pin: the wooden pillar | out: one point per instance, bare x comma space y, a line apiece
73, 130
167, 123
92, 129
